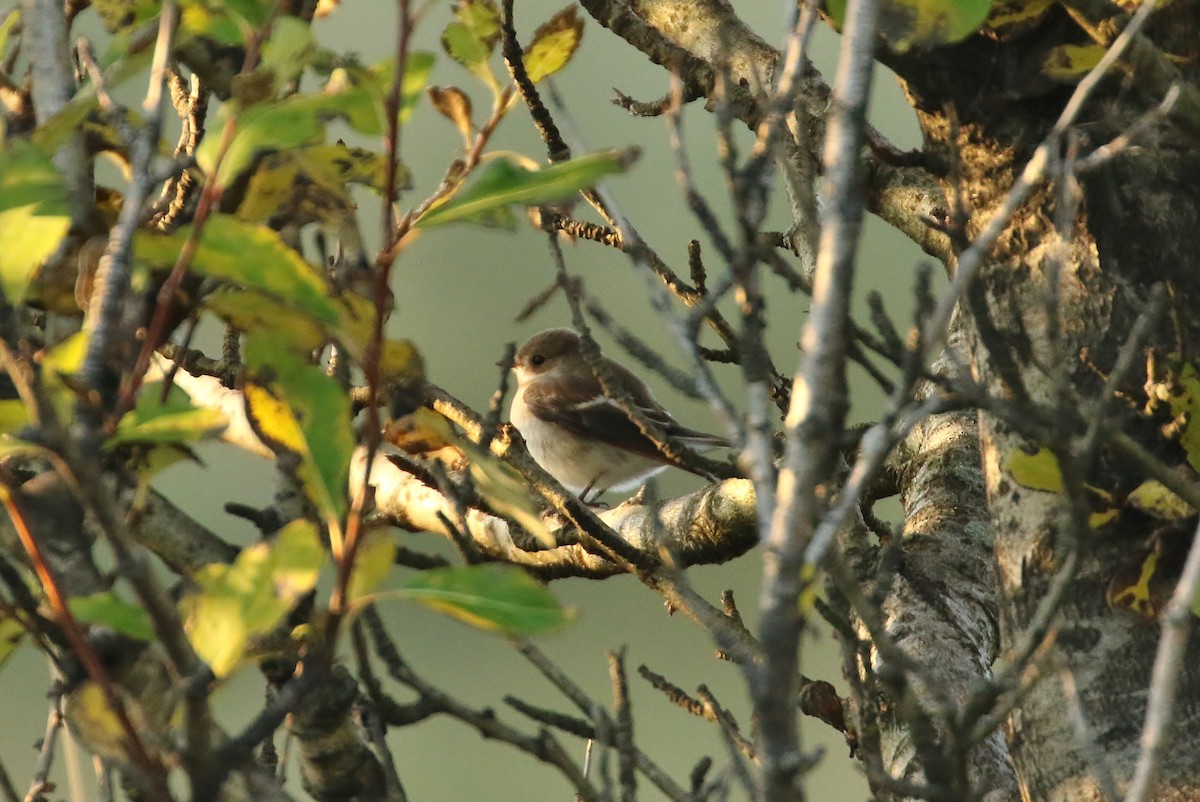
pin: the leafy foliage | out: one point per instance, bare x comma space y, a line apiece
906, 24
34, 214
503, 183
501, 598
249, 598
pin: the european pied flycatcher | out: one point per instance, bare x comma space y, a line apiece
580, 436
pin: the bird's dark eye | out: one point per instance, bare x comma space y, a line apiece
537, 360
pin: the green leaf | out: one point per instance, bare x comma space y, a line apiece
34, 215
360, 94
251, 597
13, 415
373, 561
498, 598
906, 24
11, 632
285, 55
482, 19
107, 609
6, 27
553, 45
246, 310
503, 183
356, 94
248, 255
471, 38
118, 15
465, 48
60, 363
294, 406
263, 128
70, 118
174, 420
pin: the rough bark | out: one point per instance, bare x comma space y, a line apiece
983, 113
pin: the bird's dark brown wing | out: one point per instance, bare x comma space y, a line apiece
582, 409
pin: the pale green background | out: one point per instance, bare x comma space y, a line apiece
457, 291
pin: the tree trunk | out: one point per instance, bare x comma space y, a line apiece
1055, 301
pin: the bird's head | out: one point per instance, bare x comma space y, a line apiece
545, 352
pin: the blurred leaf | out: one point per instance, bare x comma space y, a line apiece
471, 38
254, 12
506, 491
118, 14
1185, 404
11, 631
360, 93
215, 25
465, 48
34, 214
502, 183
422, 431
553, 45
70, 118
481, 17
1009, 17
356, 94
107, 609
400, 363
95, 724
295, 406
906, 24
6, 27
251, 597
174, 420
373, 561
263, 128
13, 447
453, 104
289, 49
13, 415
246, 310
60, 363
498, 598
1072, 62
310, 184
251, 256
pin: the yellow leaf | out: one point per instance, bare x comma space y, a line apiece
553, 44
1153, 498
1072, 62
273, 420
1037, 471
401, 363
1137, 596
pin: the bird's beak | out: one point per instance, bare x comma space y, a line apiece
504, 363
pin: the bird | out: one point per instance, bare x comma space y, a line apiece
579, 435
